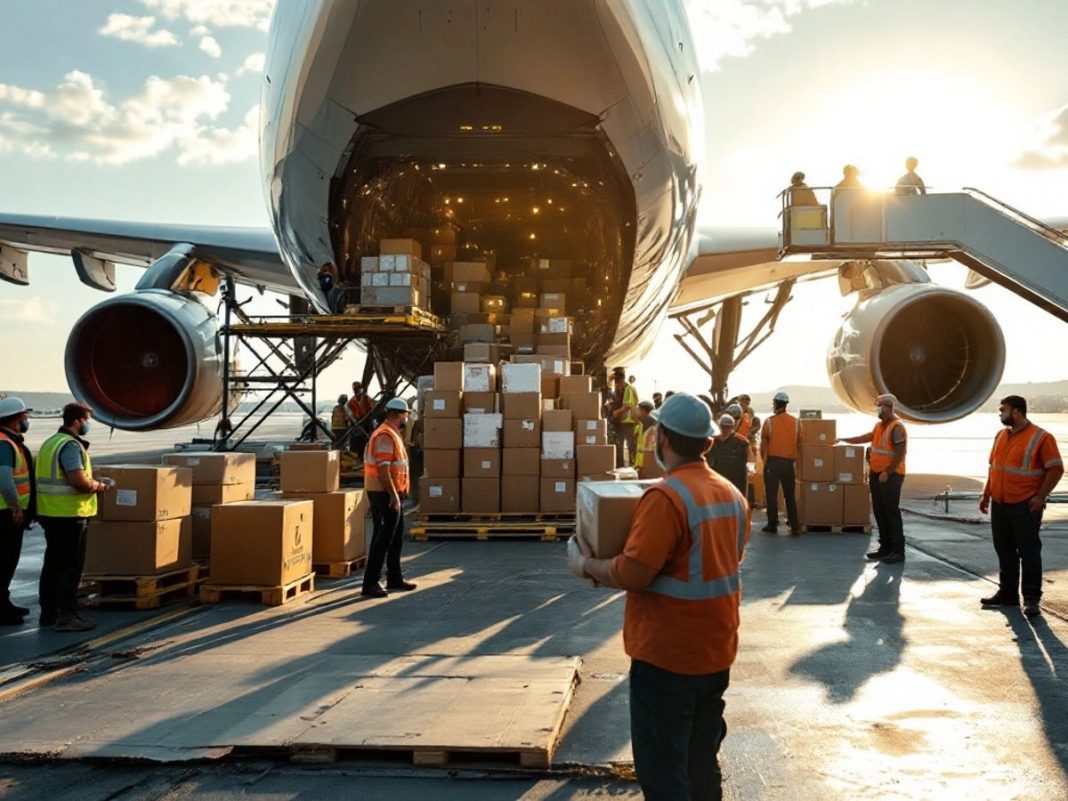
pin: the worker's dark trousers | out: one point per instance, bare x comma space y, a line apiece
10, 551
1017, 544
676, 727
386, 542
626, 434
778, 470
63, 562
886, 506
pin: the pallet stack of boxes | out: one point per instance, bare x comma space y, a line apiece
218, 478
832, 486
143, 527
398, 276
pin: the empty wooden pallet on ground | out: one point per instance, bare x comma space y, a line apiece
142, 592
835, 528
339, 569
268, 596
547, 527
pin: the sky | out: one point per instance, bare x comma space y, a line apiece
147, 110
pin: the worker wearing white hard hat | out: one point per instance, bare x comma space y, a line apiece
886, 476
17, 501
679, 567
779, 438
731, 453
387, 482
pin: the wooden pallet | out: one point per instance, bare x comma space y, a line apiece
547, 527
268, 596
339, 569
422, 757
835, 528
143, 592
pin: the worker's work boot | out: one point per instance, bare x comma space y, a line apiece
877, 554
374, 591
1031, 607
893, 558
997, 599
399, 586
74, 623
770, 529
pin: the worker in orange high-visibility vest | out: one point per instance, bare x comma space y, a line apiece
386, 481
779, 439
680, 567
1025, 466
886, 475
17, 502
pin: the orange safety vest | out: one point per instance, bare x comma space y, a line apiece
882, 447
743, 426
1017, 468
20, 472
397, 464
693, 602
781, 431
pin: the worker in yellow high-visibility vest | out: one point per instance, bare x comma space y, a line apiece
623, 416
66, 500
16, 500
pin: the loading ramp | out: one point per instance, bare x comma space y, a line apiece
1001, 243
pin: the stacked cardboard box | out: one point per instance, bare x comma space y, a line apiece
338, 519
143, 527
396, 277
261, 543
832, 489
217, 478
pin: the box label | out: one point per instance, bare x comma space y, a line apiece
435, 492
845, 478
126, 498
486, 464
528, 425
561, 486
192, 461
817, 462
439, 404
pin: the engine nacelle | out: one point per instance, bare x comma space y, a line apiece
939, 351
151, 359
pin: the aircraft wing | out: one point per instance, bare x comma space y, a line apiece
737, 261
250, 255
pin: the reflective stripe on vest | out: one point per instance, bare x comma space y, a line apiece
398, 468
1025, 468
20, 473
696, 587
55, 496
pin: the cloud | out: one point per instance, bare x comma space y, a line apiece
253, 63
77, 120
137, 29
27, 310
723, 28
219, 13
209, 45
1051, 152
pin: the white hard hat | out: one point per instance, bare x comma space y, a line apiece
781, 397
397, 405
9, 407
686, 415
726, 420
886, 399
734, 409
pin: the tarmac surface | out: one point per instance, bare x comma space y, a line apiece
853, 680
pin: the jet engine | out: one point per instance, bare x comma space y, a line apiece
151, 359
939, 351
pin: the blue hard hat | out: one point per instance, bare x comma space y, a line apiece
686, 415
397, 405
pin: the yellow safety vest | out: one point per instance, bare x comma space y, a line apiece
55, 496
20, 472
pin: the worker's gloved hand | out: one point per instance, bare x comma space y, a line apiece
577, 554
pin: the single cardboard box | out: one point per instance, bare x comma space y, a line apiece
523, 322
477, 287
441, 463
548, 269
521, 462
449, 376
494, 304
605, 510
481, 402
521, 343
558, 444
520, 378
443, 434
558, 468
470, 271
524, 433
815, 463
591, 432
261, 543
482, 463
212, 494
484, 352
482, 430
555, 365
556, 352
481, 495
140, 548
480, 377
465, 303
553, 340
337, 524
520, 494
524, 300
145, 494
403, 247
856, 505
594, 460
557, 494
310, 471
583, 405
818, 432
849, 464
439, 254
556, 325
556, 420
521, 405
557, 301
442, 403
550, 385
819, 504
576, 383
439, 495
477, 332
200, 518
216, 468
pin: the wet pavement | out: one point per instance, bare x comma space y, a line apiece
853, 680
